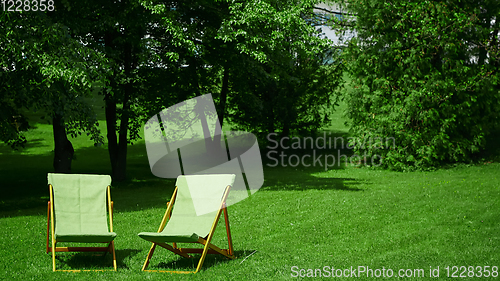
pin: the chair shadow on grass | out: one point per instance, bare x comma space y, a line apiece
125, 254
84, 261
171, 262
94, 260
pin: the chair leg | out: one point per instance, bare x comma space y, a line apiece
203, 256
216, 249
48, 226
53, 255
228, 231
110, 248
211, 234
207, 245
148, 258
114, 255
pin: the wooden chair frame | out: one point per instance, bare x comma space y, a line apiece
51, 228
208, 247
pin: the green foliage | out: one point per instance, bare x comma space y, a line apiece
279, 81
148, 55
186, 58
425, 74
261, 28
43, 69
261, 57
291, 100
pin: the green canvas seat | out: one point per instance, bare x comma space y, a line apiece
77, 213
191, 217
86, 237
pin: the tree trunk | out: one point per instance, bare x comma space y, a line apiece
110, 110
222, 106
223, 96
63, 149
117, 145
120, 171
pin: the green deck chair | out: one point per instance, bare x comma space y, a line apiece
77, 213
192, 215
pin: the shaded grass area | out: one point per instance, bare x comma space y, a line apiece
302, 216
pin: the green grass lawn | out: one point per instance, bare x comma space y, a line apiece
305, 218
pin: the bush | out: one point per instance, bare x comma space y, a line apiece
426, 75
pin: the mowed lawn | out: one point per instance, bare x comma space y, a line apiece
302, 218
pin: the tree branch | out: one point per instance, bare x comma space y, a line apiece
334, 12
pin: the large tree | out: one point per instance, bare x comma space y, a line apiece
425, 77
262, 63
159, 53
280, 81
42, 68
261, 60
119, 31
